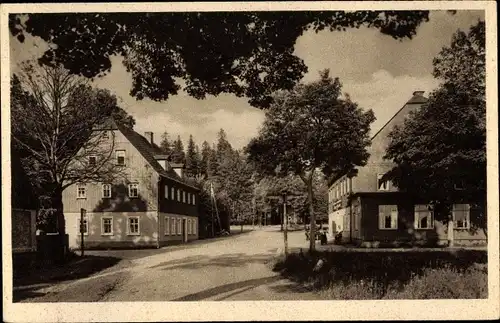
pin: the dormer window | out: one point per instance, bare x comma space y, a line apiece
105, 135
382, 185
120, 157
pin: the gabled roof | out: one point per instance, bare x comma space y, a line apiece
149, 151
417, 98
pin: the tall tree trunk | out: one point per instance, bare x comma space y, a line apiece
310, 196
281, 218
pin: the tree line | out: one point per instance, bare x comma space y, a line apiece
243, 194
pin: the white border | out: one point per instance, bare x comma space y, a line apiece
259, 310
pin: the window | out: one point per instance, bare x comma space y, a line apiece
178, 195
179, 226
189, 198
424, 217
92, 160
172, 193
194, 199
194, 227
106, 190
166, 191
105, 135
388, 217
348, 185
133, 225
133, 190
461, 216
81, 191
183, 197
107, 226
120, 157
382, 185
173, 226
167, 226
189, 226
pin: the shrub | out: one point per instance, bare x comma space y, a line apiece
448, 283
389, 275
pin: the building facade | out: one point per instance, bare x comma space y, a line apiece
149, 206
370, 211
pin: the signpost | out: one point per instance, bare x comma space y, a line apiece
285, 217
83, 213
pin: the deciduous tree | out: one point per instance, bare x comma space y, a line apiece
443, 145
312, 128
56, 119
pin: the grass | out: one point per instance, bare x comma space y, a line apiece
390, 275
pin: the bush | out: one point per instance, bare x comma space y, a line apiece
448, 283
389, 275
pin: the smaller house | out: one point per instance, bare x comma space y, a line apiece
24, 212
370, 211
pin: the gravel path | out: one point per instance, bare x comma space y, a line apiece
230, 268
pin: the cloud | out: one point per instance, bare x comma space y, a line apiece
239, 126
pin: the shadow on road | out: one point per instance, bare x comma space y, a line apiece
227, 260
26, 282
247, 284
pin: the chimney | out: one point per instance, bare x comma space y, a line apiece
418, 93
149, 136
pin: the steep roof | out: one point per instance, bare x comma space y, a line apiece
417, 98
149, 151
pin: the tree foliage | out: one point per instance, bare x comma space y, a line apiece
312, 128
443, 145
246, 53
178, 154
192, 158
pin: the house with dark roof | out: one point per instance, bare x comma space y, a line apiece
148, 206
369, 210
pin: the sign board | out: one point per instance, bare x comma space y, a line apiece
82, 219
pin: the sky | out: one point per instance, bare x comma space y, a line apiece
378, 72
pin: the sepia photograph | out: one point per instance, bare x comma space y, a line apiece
156, 157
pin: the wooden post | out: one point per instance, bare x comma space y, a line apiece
82, 227
285, 232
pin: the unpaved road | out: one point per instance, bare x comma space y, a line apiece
232, 268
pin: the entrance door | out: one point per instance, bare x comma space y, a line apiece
184, 231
